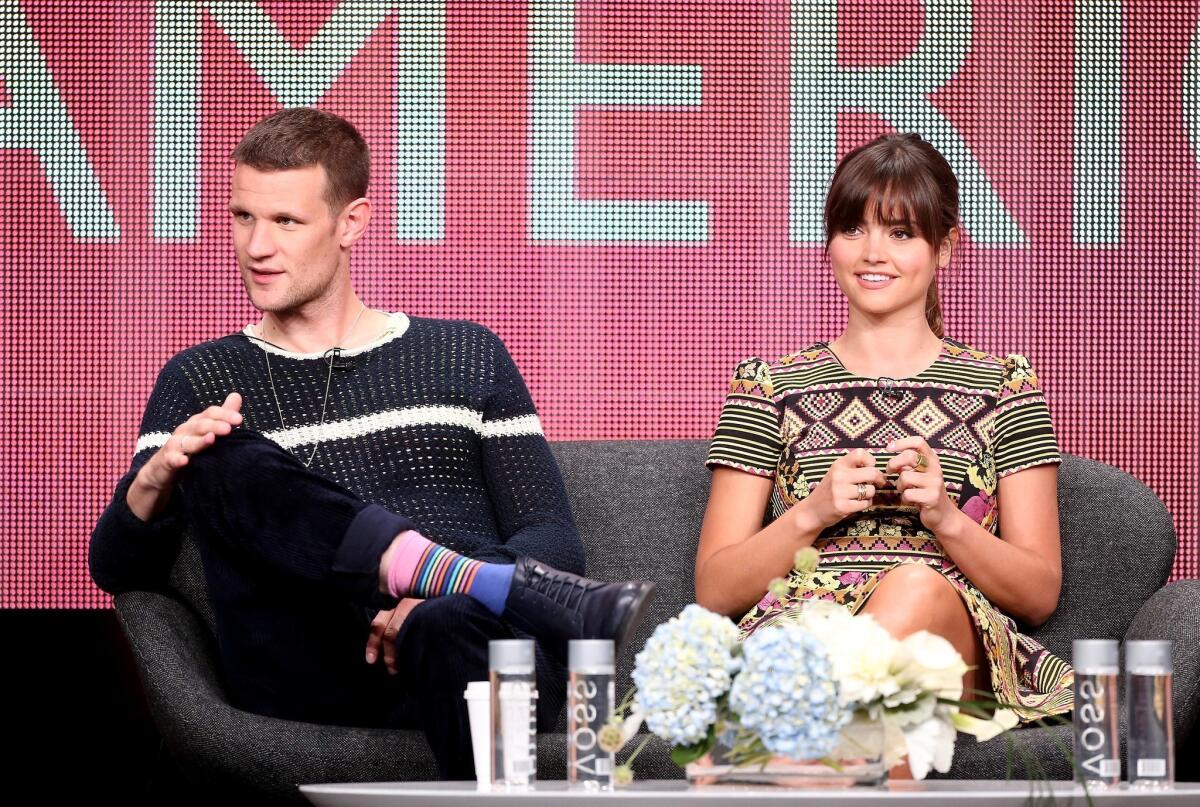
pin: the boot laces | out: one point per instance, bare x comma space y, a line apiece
565, 589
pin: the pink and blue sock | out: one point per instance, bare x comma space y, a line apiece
422, 569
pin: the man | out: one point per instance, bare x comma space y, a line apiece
334, 461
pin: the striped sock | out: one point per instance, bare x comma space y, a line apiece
422, 569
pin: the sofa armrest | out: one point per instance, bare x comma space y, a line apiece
233, 751
1174, 613
173, 650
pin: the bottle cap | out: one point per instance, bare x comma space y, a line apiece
1095, 656
591, 654
510, 654
1148, 657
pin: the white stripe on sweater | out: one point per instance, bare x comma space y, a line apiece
408, 418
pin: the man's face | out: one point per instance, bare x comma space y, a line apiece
289, 244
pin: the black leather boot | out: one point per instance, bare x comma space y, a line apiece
556, 606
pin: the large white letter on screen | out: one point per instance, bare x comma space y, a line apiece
898, 92
301, 77
37, 119
1191, 93
1096, 211
559, 86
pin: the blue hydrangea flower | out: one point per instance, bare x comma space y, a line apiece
687, 664
786, 694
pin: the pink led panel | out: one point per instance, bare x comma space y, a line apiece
1074, 130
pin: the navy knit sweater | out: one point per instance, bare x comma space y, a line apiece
431, 420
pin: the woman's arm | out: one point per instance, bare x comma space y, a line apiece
1022, 573
738, 557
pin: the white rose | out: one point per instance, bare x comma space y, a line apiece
928, 662
863, 661
930, 744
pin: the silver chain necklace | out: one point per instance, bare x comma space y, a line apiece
332, 354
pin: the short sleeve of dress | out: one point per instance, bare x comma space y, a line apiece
747, 436
1024, 433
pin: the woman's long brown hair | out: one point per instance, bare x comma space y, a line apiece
903, 181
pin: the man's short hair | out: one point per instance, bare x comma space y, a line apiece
300, 137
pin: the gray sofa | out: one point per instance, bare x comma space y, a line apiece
639, 505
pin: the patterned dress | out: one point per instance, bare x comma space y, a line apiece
983, 415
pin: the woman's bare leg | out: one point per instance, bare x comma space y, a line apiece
915, 597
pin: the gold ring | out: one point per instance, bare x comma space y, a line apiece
922, 462
862, 492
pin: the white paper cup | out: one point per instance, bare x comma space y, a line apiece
479, 710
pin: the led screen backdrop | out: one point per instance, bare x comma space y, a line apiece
627, 192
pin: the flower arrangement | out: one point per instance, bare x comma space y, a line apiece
806, 688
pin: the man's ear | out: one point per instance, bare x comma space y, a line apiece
353, 221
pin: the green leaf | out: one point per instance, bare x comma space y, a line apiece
832, 763
681, 755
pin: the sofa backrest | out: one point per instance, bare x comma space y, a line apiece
639, 504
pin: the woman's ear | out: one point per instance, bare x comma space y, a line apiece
947, 247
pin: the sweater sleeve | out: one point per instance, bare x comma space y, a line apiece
523, 481
127, 553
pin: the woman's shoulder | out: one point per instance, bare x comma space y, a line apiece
994, 367
815, 353
799, 369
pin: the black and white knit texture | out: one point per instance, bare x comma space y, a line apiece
432, 421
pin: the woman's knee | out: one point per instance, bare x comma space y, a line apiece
913, 597
917, 582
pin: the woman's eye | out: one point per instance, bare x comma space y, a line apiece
901, 234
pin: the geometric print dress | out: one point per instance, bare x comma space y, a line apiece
983, 415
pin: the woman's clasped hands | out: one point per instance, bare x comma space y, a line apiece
852, 482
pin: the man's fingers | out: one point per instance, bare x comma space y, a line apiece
233, 401
390, 634
217, 414
375, 635
403, 609
389, 641
213, 425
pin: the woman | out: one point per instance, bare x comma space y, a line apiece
924, 471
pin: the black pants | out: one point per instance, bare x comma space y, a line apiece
291, 563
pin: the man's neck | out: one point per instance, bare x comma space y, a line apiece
315, 331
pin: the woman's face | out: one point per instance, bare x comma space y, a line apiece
885, 269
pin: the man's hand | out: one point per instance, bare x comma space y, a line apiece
384, 629
151, 488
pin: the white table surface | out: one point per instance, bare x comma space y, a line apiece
660, 793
